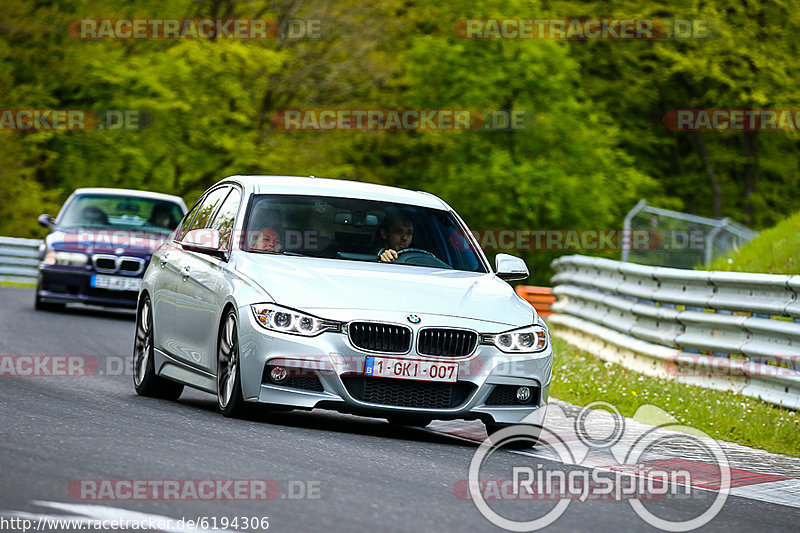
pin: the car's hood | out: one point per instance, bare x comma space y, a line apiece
105, 241
311, 283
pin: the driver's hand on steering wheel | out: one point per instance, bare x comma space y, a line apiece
388, 256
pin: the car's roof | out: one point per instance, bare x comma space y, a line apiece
130, 192
337, 188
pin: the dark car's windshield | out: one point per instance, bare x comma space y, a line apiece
357, 230
123, 212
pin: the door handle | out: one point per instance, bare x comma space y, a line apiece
185, 272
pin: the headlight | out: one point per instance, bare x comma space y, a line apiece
285, 320
53, 257
530, 339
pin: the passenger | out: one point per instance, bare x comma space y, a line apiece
265, 229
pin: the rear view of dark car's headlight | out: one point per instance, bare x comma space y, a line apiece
53, 257
285, 320
530, 339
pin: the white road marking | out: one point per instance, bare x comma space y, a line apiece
785, 492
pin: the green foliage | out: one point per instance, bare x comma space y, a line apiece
775, 251
597, 143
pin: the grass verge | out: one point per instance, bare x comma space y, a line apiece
775, 251
580, 378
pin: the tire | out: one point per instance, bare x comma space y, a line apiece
414, 421
145, 380
39, 305
229, 382
527, 440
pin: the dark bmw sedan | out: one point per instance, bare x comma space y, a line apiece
100, 244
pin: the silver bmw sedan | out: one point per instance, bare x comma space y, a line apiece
305, 293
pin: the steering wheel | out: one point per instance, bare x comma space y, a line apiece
412, 250
417, 256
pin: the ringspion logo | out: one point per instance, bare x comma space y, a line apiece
636, 472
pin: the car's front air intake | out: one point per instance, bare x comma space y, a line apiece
408, 393
375, 337
447, 342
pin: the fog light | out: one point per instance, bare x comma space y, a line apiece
523, 394
278, 374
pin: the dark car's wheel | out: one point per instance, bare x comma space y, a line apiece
145, 380
527, 435
229, 384
39, 305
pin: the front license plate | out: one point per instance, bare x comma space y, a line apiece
387, 367
116, 283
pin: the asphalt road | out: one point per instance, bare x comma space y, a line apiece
363, 474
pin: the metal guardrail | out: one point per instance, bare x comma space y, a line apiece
735, 330
19, 259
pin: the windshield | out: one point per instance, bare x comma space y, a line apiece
128, 212
358, 230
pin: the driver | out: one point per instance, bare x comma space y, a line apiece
397, 231
162, 217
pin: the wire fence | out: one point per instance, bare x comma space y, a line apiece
687, 241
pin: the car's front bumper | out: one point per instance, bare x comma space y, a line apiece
58, 284
330, 372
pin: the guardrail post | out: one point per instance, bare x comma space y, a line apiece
709, 244
626, 228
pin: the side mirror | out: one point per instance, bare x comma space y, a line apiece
510, 268
204, 241
45, 220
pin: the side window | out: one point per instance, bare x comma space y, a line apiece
225, 218
187, 220
208, 207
